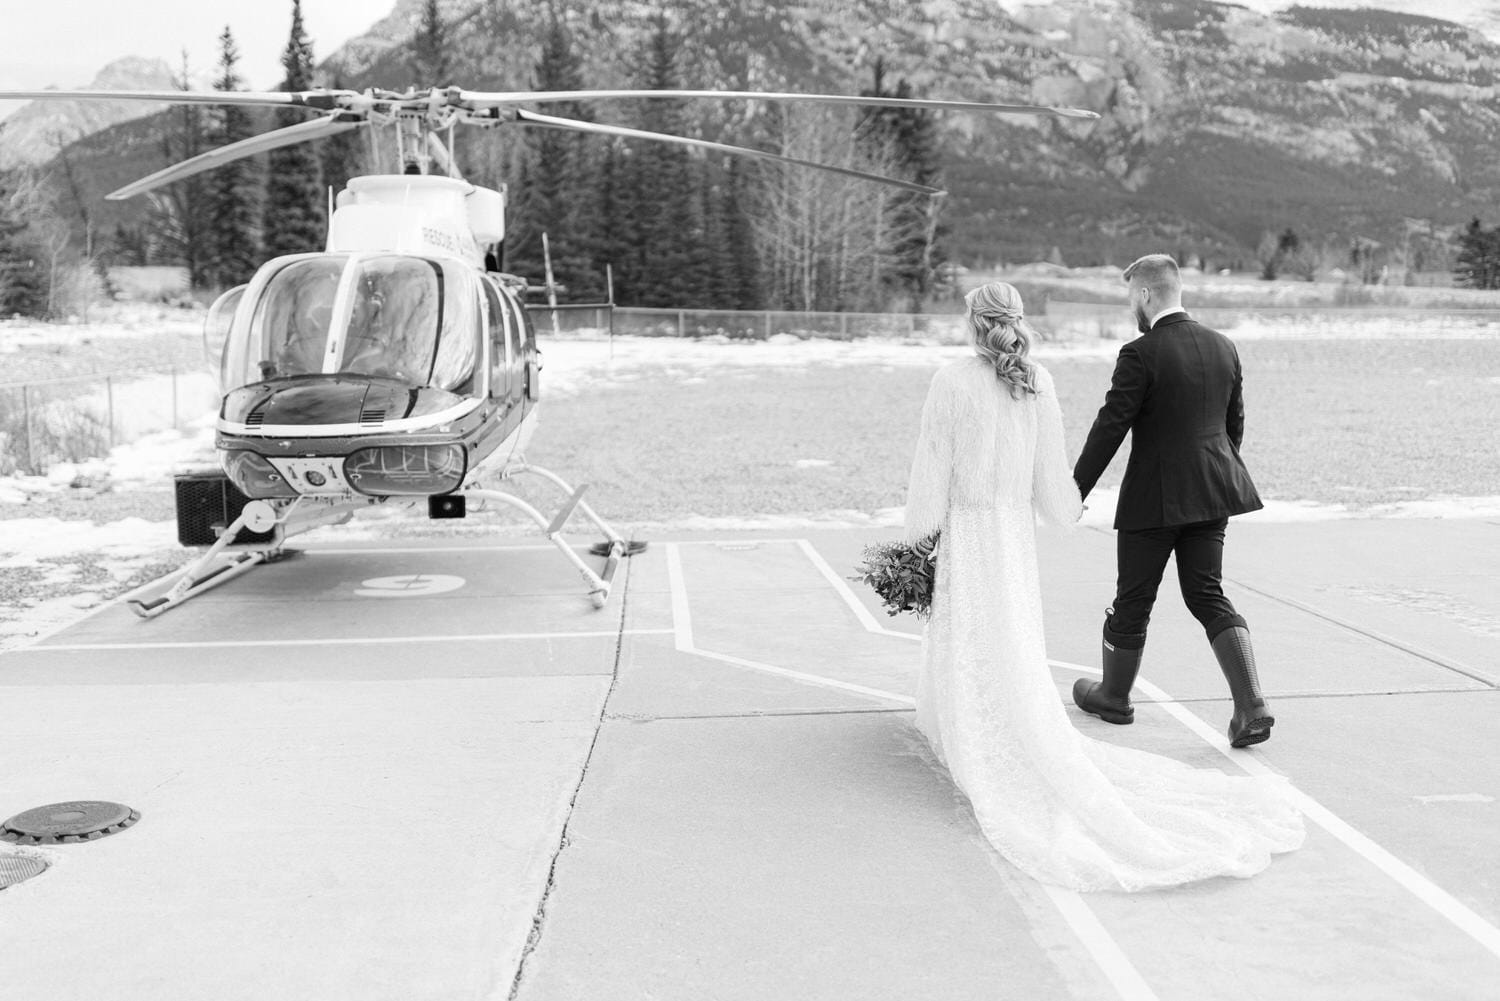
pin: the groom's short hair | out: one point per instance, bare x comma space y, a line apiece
1158, 272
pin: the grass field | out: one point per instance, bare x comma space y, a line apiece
1355, 422
1345, 422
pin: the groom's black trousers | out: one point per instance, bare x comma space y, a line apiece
1142, 558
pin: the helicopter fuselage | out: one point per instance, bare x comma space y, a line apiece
391, 365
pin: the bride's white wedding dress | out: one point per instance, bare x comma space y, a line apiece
1063, 807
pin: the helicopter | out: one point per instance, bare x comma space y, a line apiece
396, 366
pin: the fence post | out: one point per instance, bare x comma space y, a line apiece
768, 324
26, 420
109, 396
681, 323
911, 325
174, 399
844, 325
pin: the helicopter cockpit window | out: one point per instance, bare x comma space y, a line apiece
413, 320
292, 318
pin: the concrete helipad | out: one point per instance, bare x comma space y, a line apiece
433, 770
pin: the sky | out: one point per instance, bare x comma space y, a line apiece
66, 43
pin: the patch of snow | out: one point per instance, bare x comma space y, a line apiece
27, 542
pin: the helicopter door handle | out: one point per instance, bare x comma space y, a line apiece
533, 371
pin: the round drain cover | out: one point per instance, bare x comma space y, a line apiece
66, 823
17, 868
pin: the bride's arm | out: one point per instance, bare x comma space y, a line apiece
932, 466
1054, 493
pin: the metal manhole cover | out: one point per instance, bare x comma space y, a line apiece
18, 868
68, 823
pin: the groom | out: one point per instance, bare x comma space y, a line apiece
1177, 390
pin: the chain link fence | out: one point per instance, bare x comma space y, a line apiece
1055, 320
48, 421
749, 325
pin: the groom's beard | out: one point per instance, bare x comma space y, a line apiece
1142, 321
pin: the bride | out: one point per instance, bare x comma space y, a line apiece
1061, 806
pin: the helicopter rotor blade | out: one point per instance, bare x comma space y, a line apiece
322, 100
480, 99
547, 121
318, 128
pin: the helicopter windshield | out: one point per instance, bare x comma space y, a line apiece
406, 318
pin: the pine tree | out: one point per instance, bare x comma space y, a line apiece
430, 61
745, 289
23, 277
233, 189
665, 265
295, 216
614, 199
341, 156
559, 185
1478, 261
912, 234
180, 215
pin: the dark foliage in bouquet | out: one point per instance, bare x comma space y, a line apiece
902, 574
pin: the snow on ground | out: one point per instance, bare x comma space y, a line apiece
42, 546
118, 320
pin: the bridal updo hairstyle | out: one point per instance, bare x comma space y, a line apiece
1001, 335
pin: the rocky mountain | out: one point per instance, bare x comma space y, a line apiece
35, 133
1221, 122
1481, 15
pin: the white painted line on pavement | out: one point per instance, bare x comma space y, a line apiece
683, 623
734, 542
1106, 952
352, 641
841, 587
682, 619
1448, 906
811, 679
316, 550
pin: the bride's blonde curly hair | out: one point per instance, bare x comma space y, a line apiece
1001, 335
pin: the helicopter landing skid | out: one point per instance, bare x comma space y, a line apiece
201, 574
613, 549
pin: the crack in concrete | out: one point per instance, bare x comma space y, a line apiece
1370, 634
539, 919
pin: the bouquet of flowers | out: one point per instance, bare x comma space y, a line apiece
902, 574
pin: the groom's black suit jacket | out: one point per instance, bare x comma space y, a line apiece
1177, 390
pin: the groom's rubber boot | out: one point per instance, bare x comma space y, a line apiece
1252, 720
1110, 699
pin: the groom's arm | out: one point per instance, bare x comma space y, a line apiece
1234, 418
1127, 391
